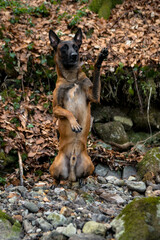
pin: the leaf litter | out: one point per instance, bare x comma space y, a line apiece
132, 34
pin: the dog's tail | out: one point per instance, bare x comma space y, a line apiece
72, 174
73, 161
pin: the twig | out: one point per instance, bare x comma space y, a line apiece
22, 83
148, 107
139, 97
121, 147
20, 168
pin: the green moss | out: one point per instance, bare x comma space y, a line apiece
87, 197
150, 163
2, 156
141, 219
6, 160
16, 227
96, 5
103, 7
137, 136
4, 217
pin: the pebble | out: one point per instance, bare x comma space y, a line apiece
136, 186
93, 227
56, 219
101, 170
27, 226
67, 231
32, 207
115, 198
84, 236
101, 179
54, 235
116, 174
44, 225
129, 171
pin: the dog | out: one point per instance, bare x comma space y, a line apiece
72, 97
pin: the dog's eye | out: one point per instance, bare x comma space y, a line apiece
65, 47
75, 47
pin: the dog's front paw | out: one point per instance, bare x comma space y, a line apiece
76, 127
104, 53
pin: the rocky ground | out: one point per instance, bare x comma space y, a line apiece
81, 210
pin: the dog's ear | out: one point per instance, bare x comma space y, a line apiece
54, 39
78, 37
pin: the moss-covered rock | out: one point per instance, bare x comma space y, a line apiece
9, 228
139, 220
103, 7
111, 132
150, 164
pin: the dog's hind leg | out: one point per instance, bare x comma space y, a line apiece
60, 166
84, 166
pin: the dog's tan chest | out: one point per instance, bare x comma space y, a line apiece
75, 100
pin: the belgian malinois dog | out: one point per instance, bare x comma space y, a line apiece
71, 105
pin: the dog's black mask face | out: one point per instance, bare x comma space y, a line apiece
68, 51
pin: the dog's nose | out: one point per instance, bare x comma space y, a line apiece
74, 56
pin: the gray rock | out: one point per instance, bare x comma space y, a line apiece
56, 219
71, 195
106, 113
60, 191
84, 236
28, 226
127, 122
113, 198
111, 179
20, 189
158, 179
67, 231
101, 179
111, 132
13, 199
129, 171
44, 225
103, 145
30, 217
32, 207
140, 148
136, 186
101, 170
119, 182
99, 218
54, 235
117, 174
93, 227
102, 114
